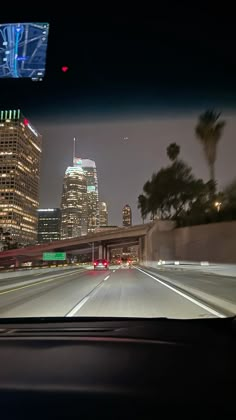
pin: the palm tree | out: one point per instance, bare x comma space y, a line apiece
173, 151
143, 206
208, 131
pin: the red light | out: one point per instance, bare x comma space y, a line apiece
105, 263
26, 122
65, 68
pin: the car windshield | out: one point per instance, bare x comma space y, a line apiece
117, 146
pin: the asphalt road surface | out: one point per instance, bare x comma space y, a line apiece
117, 292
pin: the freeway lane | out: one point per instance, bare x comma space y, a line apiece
217, 289
133, 293
51, 296
14, 278
116, 292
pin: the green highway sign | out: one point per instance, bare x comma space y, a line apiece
54, 256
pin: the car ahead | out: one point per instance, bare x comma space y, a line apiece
101, 264
125, 263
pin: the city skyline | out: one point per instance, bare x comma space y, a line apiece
103, 140
83, 172
167, 125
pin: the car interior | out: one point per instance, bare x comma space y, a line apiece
117, 367
114, 367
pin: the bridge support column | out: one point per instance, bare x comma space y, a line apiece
100, 251
104, 252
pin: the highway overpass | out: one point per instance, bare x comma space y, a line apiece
158, 240
101, 242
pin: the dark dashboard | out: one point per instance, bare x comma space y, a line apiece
92, 368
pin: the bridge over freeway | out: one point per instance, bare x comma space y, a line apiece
102, 242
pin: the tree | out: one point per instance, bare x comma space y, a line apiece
228, 195
143, 206
171, 191
173, 151
208, 131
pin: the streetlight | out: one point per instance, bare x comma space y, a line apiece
218, 205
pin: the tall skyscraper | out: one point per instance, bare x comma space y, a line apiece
74, 203
127, 216
49, 225
20, 155
103, 214
90, 171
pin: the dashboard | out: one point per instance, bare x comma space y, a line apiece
117, 367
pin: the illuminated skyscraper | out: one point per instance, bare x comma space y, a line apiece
20, 155
49, 225
103, 214
90, 171
127, 216
74, 203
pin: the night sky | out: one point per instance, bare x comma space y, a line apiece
136, 75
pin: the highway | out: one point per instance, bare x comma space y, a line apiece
117, 292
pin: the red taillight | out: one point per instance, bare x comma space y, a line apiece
95, 263
105, 263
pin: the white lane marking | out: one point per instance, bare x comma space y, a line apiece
85, 299
78, 307
207, 308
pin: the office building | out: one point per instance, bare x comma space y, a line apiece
49, 225
127, 216
20, 155
74, 215
103, 214
90, 171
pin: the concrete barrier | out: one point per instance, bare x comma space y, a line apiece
28, 272
202, 244
218, 269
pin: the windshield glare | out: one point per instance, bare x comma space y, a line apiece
117, 166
